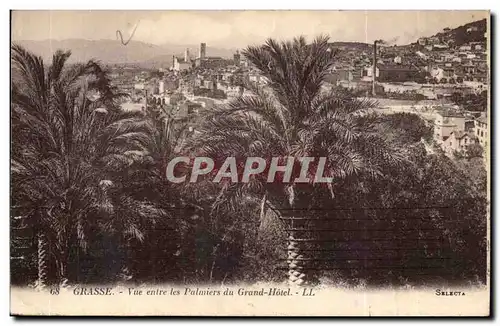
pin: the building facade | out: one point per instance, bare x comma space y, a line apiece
458, 142
397, 73
181, 65
446, 123
481, 130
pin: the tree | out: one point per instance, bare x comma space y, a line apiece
442, 200
457, 98
293, 117
473, 150
68, 136
181, 245
407, 128
473, 101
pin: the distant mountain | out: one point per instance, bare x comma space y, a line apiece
113, 52
150, 55
107, 51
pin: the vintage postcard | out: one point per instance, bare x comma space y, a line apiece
250, 163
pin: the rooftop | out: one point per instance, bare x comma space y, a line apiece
181, 60
482, 120
397, 67
450, 114
459, 134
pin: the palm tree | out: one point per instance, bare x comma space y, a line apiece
294, 116
166, 134
146, 179
68, 136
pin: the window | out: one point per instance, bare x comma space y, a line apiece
481, 133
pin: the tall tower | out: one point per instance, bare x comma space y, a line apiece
203, 51
186, 55
236, 58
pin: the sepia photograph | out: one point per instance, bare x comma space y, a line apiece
250, 163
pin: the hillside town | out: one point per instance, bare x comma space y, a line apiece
443, 78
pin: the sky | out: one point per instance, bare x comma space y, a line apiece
233, 29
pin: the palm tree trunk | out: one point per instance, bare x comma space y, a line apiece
296, 273
295, 259
63, 266
43, 253
63, 274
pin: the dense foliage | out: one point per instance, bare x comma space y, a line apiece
472, 101
89, 180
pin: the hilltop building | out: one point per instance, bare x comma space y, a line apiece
179, 65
